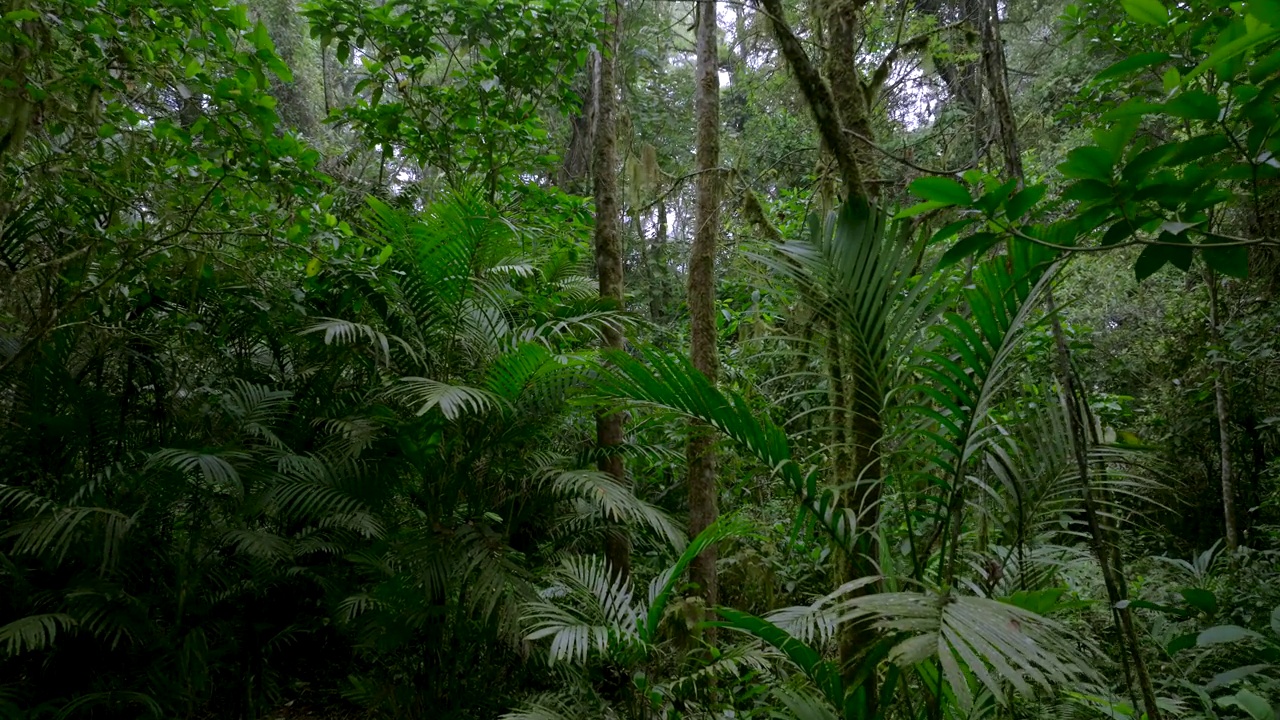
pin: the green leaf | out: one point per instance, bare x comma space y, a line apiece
921, 209
1225, 634
1275, 621
1233, 675
661, 587
1260, 35
1257, 707
1119, 232
821, 672
1024, 200
975, 244
1088, 163
1040, 602
17, 16
1150, 12
1200, 599
950, 230
1268, 11
1232, 261
941, 190
260, 38
1193, 105
1182, 642
1152, 258
1088, 190
279, 69
1131, 63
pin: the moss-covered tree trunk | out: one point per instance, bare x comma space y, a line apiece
608, 242
702, 299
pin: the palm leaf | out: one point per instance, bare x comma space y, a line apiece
34, 632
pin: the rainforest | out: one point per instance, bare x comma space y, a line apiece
640, 359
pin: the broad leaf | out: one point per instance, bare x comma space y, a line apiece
941, 190
975, 244
1131, 63
1193, 105
1150, 12
1088, 163
1200, 599
1231, 260
1225, 634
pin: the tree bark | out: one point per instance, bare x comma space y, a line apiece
608, 245
1232, 529
580, 154
702, 346
847, 88
996, 71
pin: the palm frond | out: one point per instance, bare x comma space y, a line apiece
215, 469
616, 503
454, 401
670, 382
34, 632
346, 332
977, 641
587, 609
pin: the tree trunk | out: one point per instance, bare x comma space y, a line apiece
608, 241
702, 346
646, 265
1224, 426
661, 272
1108, 561
847, 88
996, 72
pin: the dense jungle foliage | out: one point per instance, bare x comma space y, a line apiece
639, 359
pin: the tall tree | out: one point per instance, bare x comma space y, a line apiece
608, 242
702, 297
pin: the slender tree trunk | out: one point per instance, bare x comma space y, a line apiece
1224, 425
1109, 561
608, 241
646, 265
701, 453
662, 273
